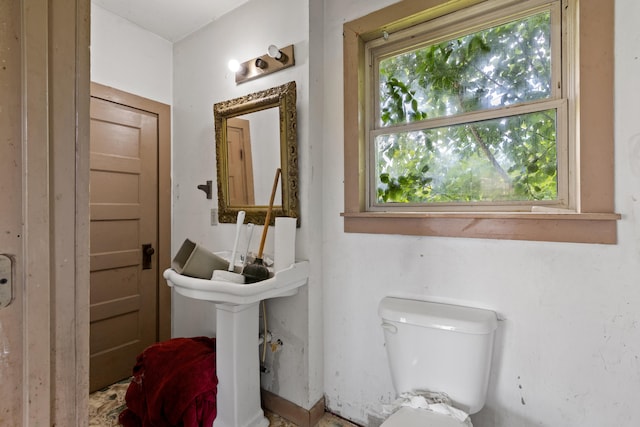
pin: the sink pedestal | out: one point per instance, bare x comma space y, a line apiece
237, 325
238, 366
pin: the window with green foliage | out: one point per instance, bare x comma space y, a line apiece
469, 112
481, 118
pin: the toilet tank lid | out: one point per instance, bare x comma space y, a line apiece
450, 317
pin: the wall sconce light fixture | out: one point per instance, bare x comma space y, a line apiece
275, 60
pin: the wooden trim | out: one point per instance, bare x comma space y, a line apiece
163, 112
77, 390
164, 219
292, 412
12, 172
38, 387
595, 169
317, 412
82, 288
511, 228
69, 198
403, 15
537, 216
595, 99
354, 165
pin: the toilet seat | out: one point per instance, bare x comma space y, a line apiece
412, 417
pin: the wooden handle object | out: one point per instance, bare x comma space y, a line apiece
267, 219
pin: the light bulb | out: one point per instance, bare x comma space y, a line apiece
234, 65
274, 52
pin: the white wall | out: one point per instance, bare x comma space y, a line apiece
129, 58
201, 79
567, 353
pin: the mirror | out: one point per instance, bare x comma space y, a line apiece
256, 134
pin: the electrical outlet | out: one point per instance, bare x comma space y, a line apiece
214, 216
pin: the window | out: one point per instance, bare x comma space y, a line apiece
468, 119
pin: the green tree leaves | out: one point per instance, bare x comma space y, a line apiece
507, 158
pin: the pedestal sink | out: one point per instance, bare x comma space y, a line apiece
237, 355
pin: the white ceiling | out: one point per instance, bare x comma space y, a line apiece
170, 19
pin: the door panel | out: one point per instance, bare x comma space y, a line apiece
124, 216
114, 283
115, 188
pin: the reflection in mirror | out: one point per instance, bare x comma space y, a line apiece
255, 135
251, 164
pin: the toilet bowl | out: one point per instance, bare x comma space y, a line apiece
442, 348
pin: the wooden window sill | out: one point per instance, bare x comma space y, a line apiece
537, 226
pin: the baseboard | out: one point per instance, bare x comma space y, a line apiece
292, 412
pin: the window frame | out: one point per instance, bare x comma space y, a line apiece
589, 82
445, 28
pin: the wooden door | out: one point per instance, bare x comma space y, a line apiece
124, 231
240, 163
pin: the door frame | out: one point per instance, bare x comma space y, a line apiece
163, 112
54, 273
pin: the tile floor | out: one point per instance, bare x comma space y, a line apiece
328, 420
105, 406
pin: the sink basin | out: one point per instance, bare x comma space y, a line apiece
283, 283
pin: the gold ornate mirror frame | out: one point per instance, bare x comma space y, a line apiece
281, 97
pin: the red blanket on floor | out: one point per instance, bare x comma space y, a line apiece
174, 384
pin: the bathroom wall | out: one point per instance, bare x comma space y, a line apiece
130, 58
567, 352
201, 79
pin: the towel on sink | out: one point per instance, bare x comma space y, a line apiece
174, 384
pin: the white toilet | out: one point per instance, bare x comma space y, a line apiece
441, 348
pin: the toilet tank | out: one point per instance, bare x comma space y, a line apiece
439, 347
